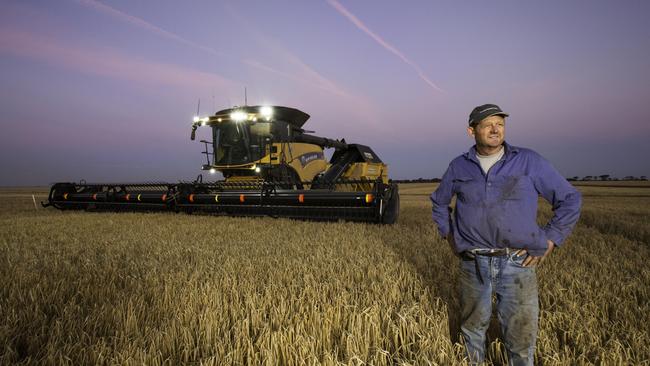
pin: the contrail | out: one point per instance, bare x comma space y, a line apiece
341, 9
320, 81
104, 62
139, 22
320, 84
305, 73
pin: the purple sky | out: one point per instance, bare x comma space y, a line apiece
106, 91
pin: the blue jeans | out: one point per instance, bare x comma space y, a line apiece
517, 305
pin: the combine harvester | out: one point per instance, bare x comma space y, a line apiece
271, 167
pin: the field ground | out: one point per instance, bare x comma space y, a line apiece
134, 288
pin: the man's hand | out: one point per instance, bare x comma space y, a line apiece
531, 261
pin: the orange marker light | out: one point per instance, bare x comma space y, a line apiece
65, 196
95, 196
164, 197
192, 198
301, 198
128, 197
242, 198
369, 198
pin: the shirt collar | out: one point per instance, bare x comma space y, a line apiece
509, 151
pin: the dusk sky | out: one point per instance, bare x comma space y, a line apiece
106, 90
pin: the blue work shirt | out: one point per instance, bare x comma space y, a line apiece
499, 209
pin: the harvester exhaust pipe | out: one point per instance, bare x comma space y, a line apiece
321, 141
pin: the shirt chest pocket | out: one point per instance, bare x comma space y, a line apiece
516, 188
468, 189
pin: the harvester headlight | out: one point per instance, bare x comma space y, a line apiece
257, 169
196, 119
266, 112
213, 170
238, 116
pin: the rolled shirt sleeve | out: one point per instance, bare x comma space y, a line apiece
441, 200
564, 198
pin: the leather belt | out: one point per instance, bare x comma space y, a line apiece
472, 253
492, 252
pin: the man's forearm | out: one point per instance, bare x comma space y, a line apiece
442, 220
566, 214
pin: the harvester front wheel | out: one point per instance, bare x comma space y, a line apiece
391, 212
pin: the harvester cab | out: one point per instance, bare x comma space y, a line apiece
271, 166
256, 143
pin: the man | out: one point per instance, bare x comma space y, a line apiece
494, 231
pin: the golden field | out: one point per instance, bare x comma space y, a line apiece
162, 288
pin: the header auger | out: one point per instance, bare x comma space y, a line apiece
271, 166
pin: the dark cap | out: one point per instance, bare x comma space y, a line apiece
484, 111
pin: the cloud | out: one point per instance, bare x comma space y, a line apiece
351, 17
106, 62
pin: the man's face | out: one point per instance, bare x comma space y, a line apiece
490, 132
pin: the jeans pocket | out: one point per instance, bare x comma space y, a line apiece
517, 260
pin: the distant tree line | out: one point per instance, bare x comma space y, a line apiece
606, 177
586, 178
